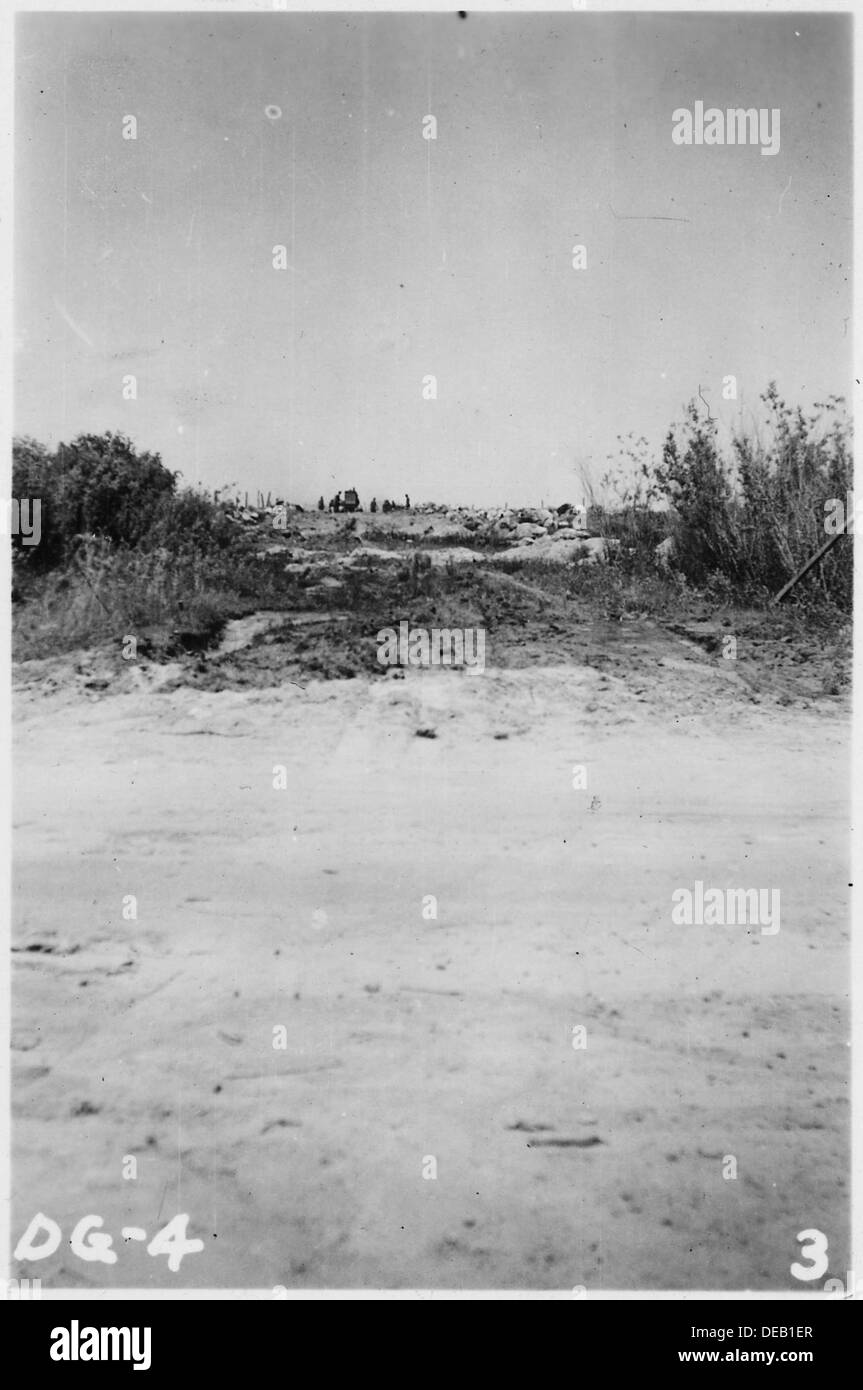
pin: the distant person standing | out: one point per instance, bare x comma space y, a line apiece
321, 504
407, 503
373, 505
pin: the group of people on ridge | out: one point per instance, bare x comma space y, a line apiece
351, 502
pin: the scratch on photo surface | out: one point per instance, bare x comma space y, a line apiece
67, 318
649, 217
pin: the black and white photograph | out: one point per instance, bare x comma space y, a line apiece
429, 544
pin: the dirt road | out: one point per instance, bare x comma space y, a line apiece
339, 1031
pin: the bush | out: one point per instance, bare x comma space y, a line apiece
785, 481
96, 486
697, 482
122, 551
747, 523
32, 478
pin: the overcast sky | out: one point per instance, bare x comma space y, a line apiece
410, 257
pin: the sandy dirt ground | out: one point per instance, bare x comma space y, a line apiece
428, 1121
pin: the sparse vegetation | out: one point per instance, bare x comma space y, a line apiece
124, 550
743, 525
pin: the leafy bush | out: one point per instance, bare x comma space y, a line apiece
97, 486
32, 478
122, 550
785, 480
744, 524
697, 482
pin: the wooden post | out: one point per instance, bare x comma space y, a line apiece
819, 555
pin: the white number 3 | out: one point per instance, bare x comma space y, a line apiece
816, 1251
